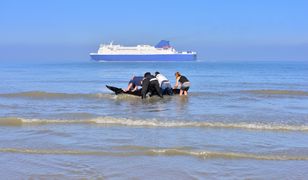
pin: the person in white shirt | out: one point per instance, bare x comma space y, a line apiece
164, 83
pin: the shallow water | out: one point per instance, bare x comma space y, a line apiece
246, 120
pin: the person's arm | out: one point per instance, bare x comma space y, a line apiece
128, 87
177, 83
136, 87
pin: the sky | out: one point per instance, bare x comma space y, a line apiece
218, 30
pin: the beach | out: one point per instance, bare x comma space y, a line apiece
240, 120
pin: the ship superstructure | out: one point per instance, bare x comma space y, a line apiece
161, 52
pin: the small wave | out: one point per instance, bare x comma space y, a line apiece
159, 152
278, 92
51, 95
152, 123
224, 155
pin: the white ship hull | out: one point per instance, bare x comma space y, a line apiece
161, 52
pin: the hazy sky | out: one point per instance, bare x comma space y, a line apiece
68, 30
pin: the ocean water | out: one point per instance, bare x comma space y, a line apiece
241, 120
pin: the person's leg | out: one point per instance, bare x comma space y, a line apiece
170, 92
128, 87
181, 92
157, 89
145, 87
166, 88
163, 91
185, 90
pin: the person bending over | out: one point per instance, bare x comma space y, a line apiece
183, 81
164, 83
134, 83
150, 84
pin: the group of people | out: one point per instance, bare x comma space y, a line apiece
157, 84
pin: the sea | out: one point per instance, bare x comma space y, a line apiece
240, 120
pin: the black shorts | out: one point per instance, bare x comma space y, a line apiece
185, 88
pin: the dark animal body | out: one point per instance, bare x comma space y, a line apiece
135, 93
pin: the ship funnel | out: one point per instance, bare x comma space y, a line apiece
163, 44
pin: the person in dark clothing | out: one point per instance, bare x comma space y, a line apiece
134, 83
150, 84
185, 84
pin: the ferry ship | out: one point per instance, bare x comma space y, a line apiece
161, 52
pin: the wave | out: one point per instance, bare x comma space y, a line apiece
50, 95
277, 92
153, 123
204, 154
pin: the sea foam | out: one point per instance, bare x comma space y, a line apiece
154, 123
203, 154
